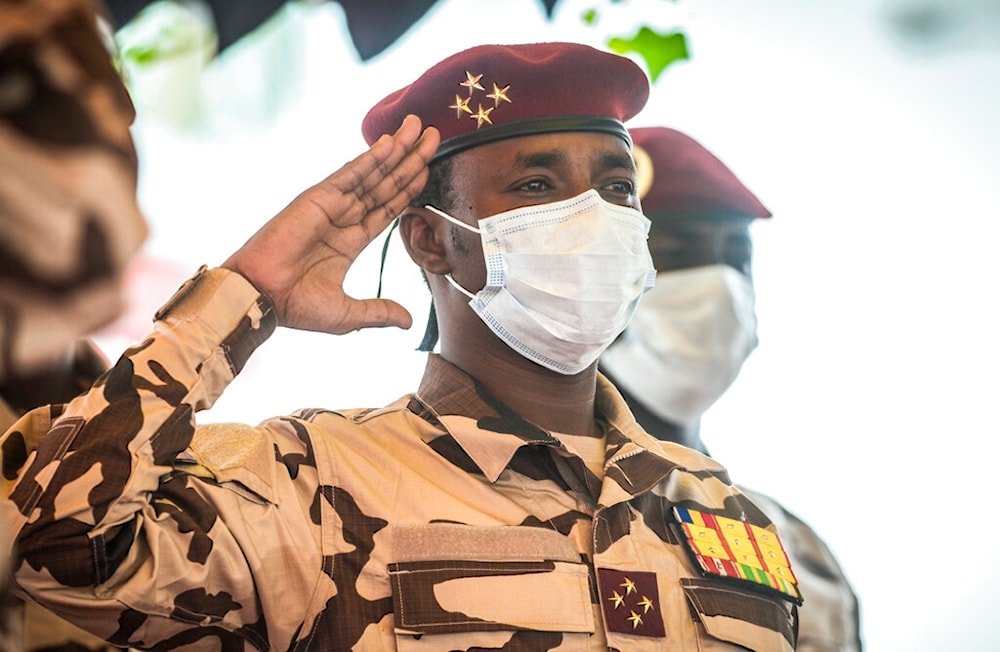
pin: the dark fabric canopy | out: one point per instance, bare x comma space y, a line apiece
374, 25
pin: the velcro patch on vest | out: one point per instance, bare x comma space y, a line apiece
726, 547
630, 600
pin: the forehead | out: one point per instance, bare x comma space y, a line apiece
574, 149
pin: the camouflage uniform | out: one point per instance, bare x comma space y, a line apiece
69, 221
830, 620
27, 626
442, 521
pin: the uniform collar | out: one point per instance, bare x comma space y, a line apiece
482, 431
484, 427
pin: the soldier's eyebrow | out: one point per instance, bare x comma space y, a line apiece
553, 158
547, 159
614, 160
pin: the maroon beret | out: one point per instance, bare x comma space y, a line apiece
491, 92
678, 176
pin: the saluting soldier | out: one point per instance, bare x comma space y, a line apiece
511, 502
692, 333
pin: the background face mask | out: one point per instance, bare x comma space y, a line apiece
563, 279
687, 342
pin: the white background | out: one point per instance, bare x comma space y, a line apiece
869, 407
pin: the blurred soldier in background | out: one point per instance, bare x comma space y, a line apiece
69, 223
694, 330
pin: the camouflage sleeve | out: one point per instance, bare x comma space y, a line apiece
93, 508
26, 627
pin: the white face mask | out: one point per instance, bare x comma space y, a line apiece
687, 341
562, 279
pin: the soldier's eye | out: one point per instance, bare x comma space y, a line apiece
535, 185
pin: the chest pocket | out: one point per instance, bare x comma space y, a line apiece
755, 621
459, 586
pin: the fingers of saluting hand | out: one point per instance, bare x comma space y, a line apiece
381, 181
301, 256
359, 201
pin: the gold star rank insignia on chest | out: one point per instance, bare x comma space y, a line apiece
735, 549
630, 601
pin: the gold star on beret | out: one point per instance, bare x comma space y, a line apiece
472, 82
535, 88
461, 105
481, 116
499, 95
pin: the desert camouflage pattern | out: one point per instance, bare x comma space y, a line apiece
27, 627
829, 621
830, 618
443, 521
68, 216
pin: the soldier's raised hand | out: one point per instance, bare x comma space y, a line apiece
301, 256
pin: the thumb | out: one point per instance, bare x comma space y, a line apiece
380, 313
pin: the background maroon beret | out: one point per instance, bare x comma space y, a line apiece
678, 176
491, 92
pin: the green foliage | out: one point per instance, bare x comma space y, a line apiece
657, 50
164, 30
142, 54
589, 17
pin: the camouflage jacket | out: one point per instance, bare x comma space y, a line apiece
443, 521
26, 626
830, 621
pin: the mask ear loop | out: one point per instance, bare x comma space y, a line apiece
431, 333
453, 220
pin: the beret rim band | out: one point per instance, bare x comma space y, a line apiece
532, 127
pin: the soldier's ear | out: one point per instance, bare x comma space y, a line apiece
425, 235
